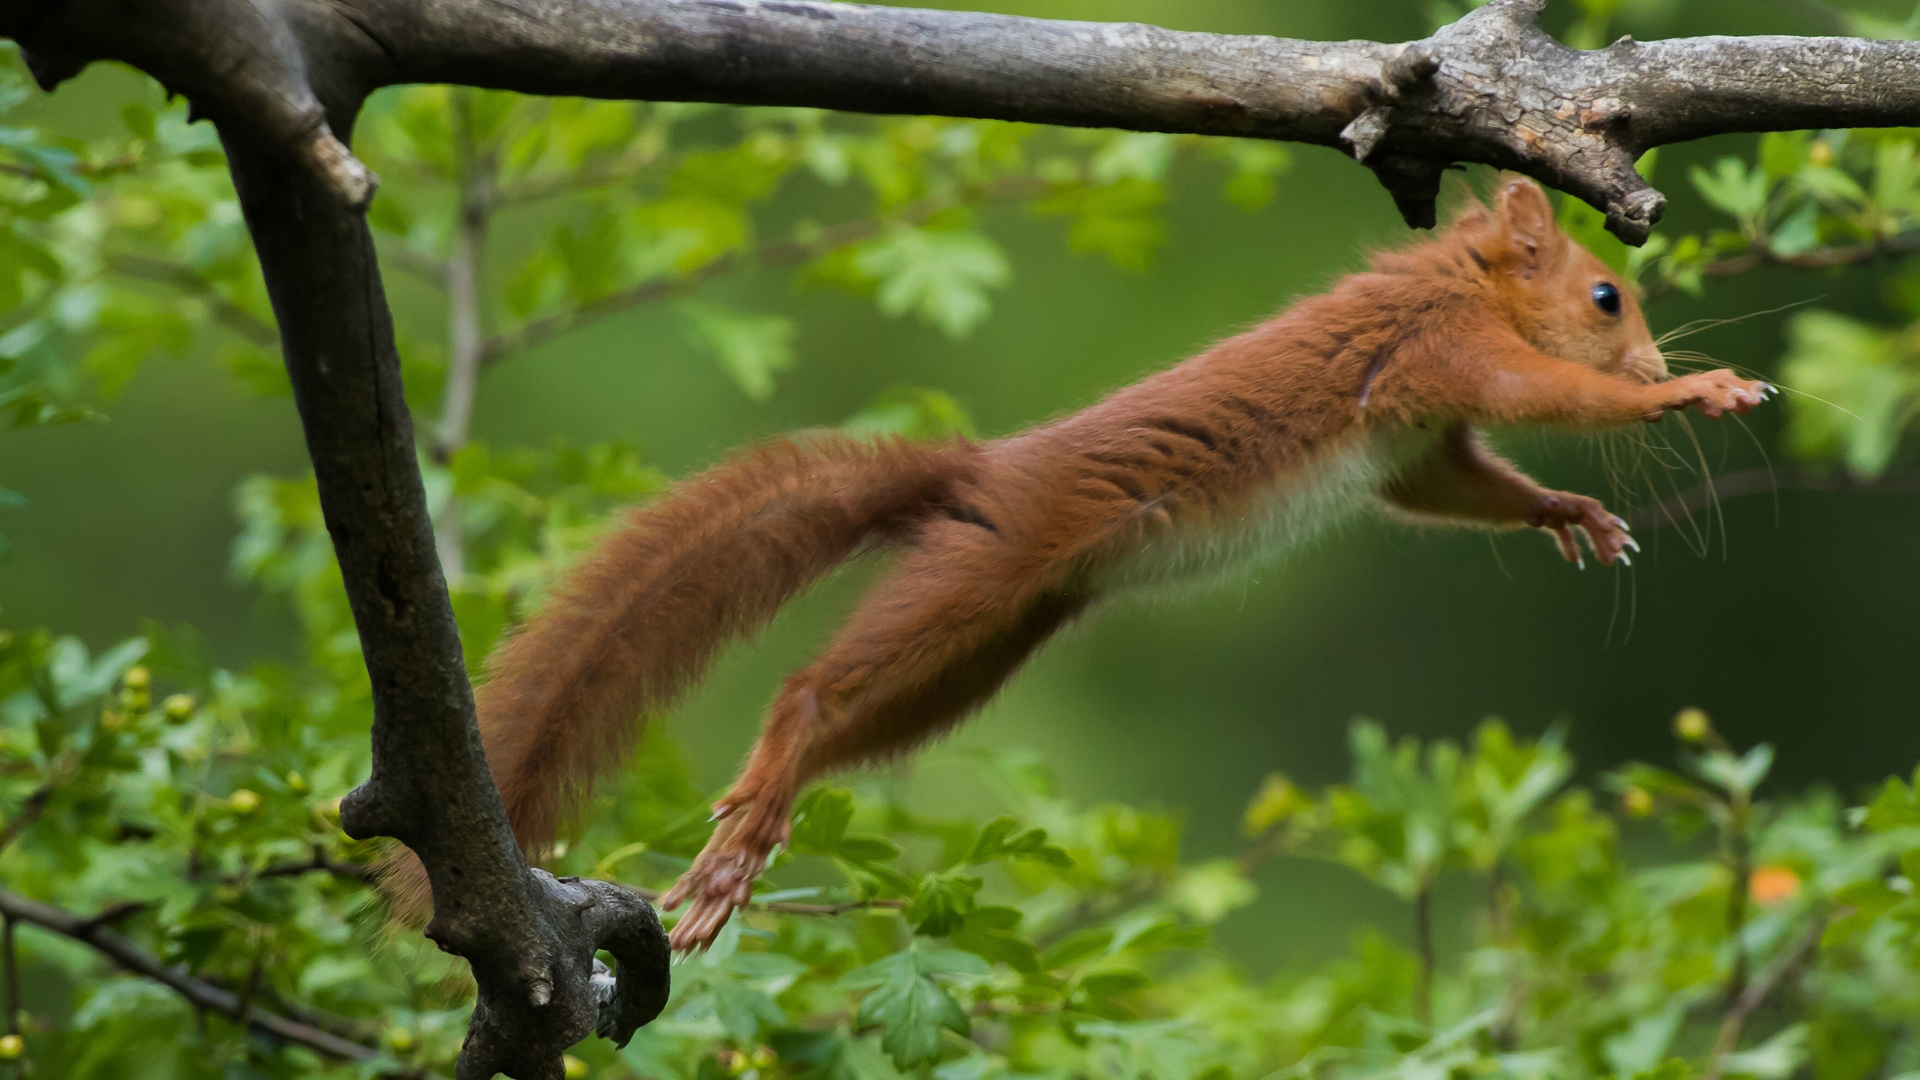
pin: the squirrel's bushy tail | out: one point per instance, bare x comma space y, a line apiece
637, 620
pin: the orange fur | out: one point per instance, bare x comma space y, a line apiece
639, 619
1367, 395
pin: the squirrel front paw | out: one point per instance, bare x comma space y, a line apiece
1561, 512
1714, 393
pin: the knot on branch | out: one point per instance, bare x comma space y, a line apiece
1494, 88
524, 1018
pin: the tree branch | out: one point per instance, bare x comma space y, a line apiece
529, 938
1491, 88
1719, 489
198, 992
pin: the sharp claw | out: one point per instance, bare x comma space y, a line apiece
1630, 542
1621, 524
1625, 559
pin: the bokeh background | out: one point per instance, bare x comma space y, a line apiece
1795, 627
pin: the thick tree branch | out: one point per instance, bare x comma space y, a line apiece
529, 938
1491, 88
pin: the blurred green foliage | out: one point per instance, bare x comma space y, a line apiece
191, 808
197, 809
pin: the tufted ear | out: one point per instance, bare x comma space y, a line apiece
1526, 217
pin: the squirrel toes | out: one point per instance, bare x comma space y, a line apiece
1368, 395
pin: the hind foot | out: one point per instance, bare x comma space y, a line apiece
721, 877
1561, 512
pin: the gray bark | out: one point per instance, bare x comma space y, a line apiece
1491, 88
281, 77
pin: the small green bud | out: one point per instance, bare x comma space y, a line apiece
1692, 725
1636, 801
297, 783
572, 1067
138, 677
11, 1047
399, 1039
244, 801
178, 708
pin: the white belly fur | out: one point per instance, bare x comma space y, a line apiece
1297, 508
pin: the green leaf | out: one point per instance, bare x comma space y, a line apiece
1002, 838
1119, 220
943, 277
911, 412
942, 903
751, 348
1731, 188
1859, 389
866, 848
821, 820
1212, 890
1076, 947
1775, 1059
913, 1008
989, 934
1112, 982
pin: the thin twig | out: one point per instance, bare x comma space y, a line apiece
1423, 949
1685, 504
1894, 247
350, 1028
425, 267
1757, 992
188, 280
203, 995
10, 959
787, 907
30, 810
352, 871
1740, 866
783, 254
111, 914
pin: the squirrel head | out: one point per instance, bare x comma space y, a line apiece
1562, 300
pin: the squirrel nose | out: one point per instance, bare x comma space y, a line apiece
1646, 362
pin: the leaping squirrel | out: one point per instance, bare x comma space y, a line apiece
1369, 395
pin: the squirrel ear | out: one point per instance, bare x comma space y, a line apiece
1526, 215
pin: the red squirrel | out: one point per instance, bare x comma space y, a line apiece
1368, 395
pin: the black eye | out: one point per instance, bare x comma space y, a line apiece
1607, 298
